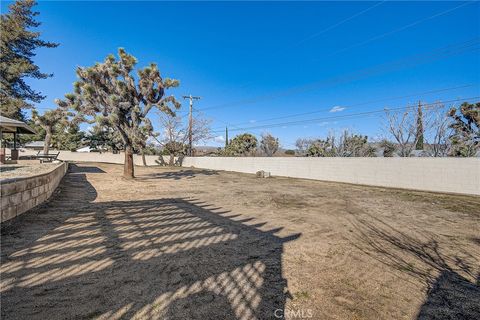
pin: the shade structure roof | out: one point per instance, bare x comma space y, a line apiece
8, 125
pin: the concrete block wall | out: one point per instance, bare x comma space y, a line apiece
451, 175
19, 195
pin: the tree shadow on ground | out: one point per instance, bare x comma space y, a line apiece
453, 288
177, 175
85, 169
72, 194
451, 296
148, 259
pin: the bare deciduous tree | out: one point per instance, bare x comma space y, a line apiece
174, 133
302, 145
440, 131
402, 126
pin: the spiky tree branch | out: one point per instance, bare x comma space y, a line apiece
107, 93
465, 139
49, 121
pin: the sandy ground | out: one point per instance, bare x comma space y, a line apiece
197, 244
8, 171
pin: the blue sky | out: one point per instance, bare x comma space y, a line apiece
251, 61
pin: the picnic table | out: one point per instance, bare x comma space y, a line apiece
46, 157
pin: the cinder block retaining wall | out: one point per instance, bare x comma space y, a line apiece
452, 175
21, 194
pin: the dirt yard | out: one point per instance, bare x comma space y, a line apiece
197, 244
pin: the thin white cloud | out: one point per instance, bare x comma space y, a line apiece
252, 121
219, 139
337, 109
322, 124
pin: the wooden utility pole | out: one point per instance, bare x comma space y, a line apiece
419, 133
190, 124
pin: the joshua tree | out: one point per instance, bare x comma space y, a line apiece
269, 144
352, 145
465, 140
321, 148
388, 148
49, 121
242, 145
17, 48
106, 93
349, 145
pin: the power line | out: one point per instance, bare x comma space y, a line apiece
315, 35
443, 52
216, 119
383, 35
360, 104
378, 36
338, 23
352, 115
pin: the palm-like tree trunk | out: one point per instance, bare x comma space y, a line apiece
128, 168
48, 138
144, 160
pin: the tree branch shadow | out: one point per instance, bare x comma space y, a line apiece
148, 259
453, 287
177, 175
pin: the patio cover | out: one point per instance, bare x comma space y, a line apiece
8, 125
